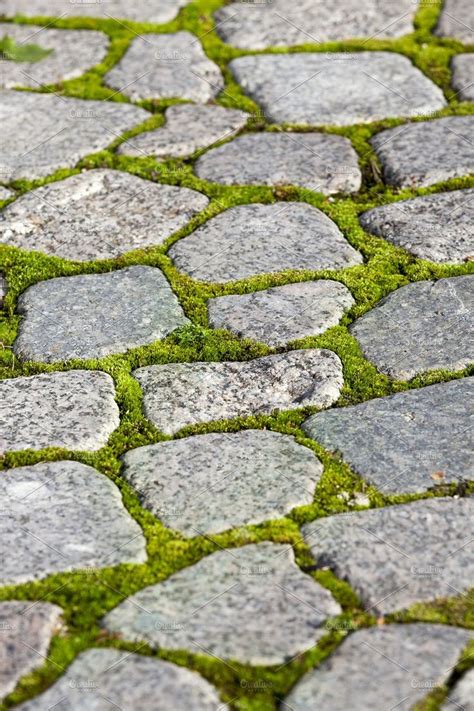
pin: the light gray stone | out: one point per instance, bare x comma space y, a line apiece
256, 239
428, 152
282, 314
5, 193
74, 409
44, 132
396, 556
462, 696
406, 442
102, 679
457, 20
180, 394
463, 72
387, 667
95, 315
421, 326
26, 629
3, 290
98, 214
166, 66
209, 483
437, 227
252, 604
138, 11
321, 162
63, 516
310, 89
188, 128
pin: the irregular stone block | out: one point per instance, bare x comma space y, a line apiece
138, 11
463, 70
461, 697
5, 193
457, 20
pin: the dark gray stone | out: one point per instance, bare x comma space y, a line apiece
421, 326
457, 20
462, 696
138, 11
463, 72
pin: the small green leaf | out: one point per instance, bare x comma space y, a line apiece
14, 52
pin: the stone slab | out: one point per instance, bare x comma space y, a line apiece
463, 72
252, 604
138, 11
98, 214
457, 20
462, 695
312, 88
3, 289
5, 193
75, 410
420, 327
180, 394
396, 556
404, 443
95, 315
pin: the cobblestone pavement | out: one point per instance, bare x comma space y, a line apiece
236, 347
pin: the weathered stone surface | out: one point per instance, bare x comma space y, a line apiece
44, 132
3, 290
457, 20
284, 313
98, 214
209, 483
5, 193
256, 239
180, 394
74, 409
138, 11
110, 678
188, 128
435, 227
310, 89
73, 53
166, 66
387, 667
94, 315
463, 71
422, 326
62, 516
462, 696
252, 604
425, 153
320, 162
406, 442
398, 555
26, 629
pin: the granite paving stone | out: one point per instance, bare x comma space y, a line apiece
75, 409
396, 556
26, 629
427, 152
95, 315
282, 314
110, 678
63, 516
253, 605
45, 132
311, 89
316, 161
407, 442
457, 20
462, 695
426, 325
463, 72
166, 66
436, 227
180, 394
5, 193
188, 128
3, 289
394, 666
256, 239
209, 483
138, 11
98, 214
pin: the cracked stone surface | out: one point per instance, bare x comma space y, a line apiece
462, 696
457, 20
406, 442
393, 666
209, 483
422, 326
108, 678
435, 227
463, 70
282, 314
63, 516
98, 214
138, 11
26, 629
74, 410
180, 394
188, 128
233, 604
324, 163
426, 153
95, 315
381, 85
398, 555
3, 290
256, 239
45, 132
164, 67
